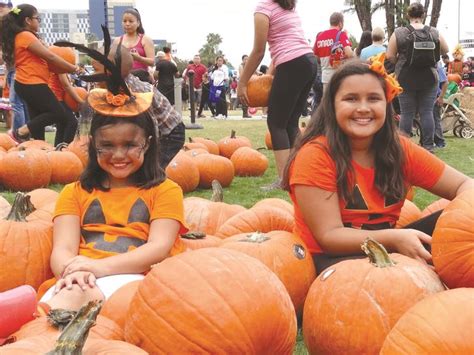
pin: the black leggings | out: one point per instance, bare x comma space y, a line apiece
65, 132
425, 225
291, 85
44, 109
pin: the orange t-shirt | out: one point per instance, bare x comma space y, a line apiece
313, 166
30, 69
117, 221
56, 86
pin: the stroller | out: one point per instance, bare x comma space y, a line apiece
454, 118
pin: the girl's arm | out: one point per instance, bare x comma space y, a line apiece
64, 80
452, 183
149, 58
392, 49
321, 213
66, 239
43, 52
261, 23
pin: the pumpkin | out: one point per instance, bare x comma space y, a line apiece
69, 100
4, 207
195, 145
454, 77
285, 254
452, 246
214, 167
211, 300
212, 146
115, 308
260, 219
228, 145
409, 214
6, 141
275, 202
198, 240
80, 147
65, 53
195, 151
66, 167
43, 197
439, 324
352, 305
25, 247
25, 170
268, 141
435, 207
258, 90
249, 162
183, 171
34, 144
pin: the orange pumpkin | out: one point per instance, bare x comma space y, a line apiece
65, 53
275, 202
183, 171
260, 219
198, 240
116, 307
195, 145
268, 141
439, 324
352, 305
452, 246
454, 77
435, 207
34, 144
6, 141
214, 167
4, 207
249, 162
66, 167
80, 147
409, 214
25, 170
285, 254
228, 145
25, 247
228, 302
69, 100
258, 90
212, 146
195, 151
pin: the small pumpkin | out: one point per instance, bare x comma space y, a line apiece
66, 167
454, 77
249, 162
214, 167
435, 206
194, 145
183, 171
228, 145
69, 100
195, 151
80, 147
268, 141
34, 144
409, 214
258, 90
212, 146
65, 53
6, 141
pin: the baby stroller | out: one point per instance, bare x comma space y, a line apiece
454, 118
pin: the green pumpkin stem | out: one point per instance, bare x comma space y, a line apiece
217, 191
21, 208
233, 134
255, 237
194, 235
73, 337
376, 253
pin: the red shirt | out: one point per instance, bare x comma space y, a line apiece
199, 71
325, 40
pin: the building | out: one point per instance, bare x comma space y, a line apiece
108, 12
70, 25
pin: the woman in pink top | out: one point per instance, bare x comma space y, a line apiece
277, 23
141, 46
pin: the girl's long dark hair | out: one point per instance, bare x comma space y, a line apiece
386, 146
150, 173
286, 4
10, 25
134, 12
365, 41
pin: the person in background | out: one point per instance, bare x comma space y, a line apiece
165, 72
446, 61
205, 97
245, 109
168, 55
199, 70
219, 78
378, 36
439, 140
365, 41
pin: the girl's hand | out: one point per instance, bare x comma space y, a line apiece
242, 94
83, 279
82, 263
409, 242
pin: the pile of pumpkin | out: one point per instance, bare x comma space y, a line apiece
202, 160
36, 163
246, 277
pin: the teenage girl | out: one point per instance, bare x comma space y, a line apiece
350, 172
23, 49
141, 46
277, 23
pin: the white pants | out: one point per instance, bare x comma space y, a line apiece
107, 284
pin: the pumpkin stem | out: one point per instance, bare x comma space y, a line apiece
303, 124
72, 339
217, 191
255, 237
194, 235
21, 208
233, 134
376, 253
191, 140
61, 146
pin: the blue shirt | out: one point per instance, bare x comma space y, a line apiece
371, 50
441, 77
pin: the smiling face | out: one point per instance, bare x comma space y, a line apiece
360, 107
121, 151
130, 23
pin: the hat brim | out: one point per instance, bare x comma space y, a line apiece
137, 104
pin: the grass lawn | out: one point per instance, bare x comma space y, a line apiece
245, 191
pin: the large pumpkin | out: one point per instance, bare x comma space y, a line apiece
228, 145
440, 324
258, 90
65, 53
352, 305
69, 100
183, 171
214, 167
212, 300
409, 214
285, 254
212, 146
199, 240
249, 162
66, 167
25, 247
116, 307
275, 202
452, 246
6, 141
437, 205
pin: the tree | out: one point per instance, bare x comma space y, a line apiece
435, 11
210, 50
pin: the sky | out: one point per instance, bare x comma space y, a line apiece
187, 22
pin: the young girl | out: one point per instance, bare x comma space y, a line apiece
350, 171
23, 49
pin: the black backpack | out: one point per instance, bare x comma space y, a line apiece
422, 51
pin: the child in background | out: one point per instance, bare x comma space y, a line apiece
23, 49
350, 172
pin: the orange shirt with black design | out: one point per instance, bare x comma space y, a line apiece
314, 166
30, 69
56, 87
